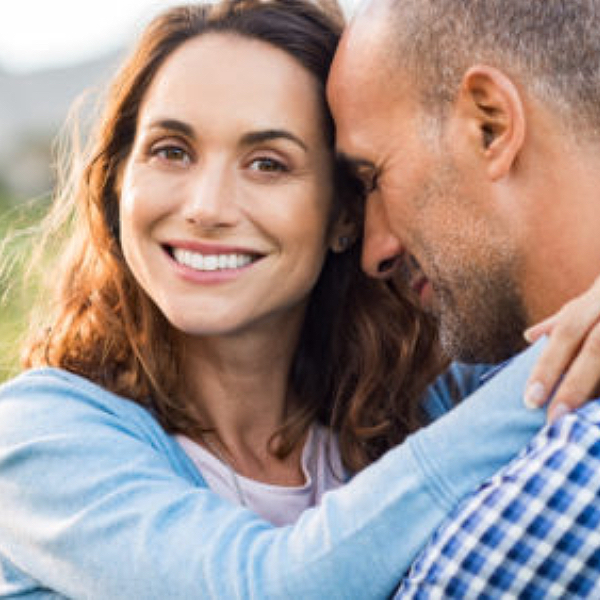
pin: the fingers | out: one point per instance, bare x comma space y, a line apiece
581, 380
534, 333
564, 342
572, 353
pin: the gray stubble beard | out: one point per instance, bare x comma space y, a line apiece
487, 327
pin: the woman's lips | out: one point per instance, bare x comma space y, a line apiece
207, 263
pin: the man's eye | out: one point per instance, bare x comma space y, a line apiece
371, 183
267, 165
368, 180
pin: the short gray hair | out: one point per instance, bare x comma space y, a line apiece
551, 47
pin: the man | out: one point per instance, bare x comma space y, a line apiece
475, 125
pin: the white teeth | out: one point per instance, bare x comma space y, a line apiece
210, 262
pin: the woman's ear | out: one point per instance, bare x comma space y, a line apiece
343, 235
492, 105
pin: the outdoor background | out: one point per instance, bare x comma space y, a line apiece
50, 53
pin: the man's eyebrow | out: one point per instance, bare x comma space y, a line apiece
256, 137
173, 125
355, 163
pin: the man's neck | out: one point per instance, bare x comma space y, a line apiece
565, 234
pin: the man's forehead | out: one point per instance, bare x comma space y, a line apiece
363, 90
354, 82
360, 47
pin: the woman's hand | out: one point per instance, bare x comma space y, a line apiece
570, 363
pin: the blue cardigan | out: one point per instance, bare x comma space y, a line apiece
97, 501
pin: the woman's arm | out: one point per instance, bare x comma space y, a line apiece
97, 502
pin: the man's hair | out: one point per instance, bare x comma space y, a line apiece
551, 47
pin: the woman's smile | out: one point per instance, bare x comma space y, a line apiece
230, 178
209, 263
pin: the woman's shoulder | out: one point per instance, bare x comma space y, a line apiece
51, 407
48, 384
49, 400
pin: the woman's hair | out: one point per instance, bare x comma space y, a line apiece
366, 353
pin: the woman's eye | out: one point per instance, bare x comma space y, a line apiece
172, 154
267, 165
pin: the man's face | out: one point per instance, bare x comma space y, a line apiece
428, 202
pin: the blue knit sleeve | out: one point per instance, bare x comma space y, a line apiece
98, 502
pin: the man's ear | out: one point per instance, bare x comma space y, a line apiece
492, 104
344, 233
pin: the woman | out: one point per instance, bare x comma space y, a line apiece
210, 327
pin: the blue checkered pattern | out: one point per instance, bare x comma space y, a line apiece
532, 531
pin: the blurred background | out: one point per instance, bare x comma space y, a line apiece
50, 54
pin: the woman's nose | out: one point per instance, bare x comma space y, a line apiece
211, 200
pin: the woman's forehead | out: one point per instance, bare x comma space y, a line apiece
223, 75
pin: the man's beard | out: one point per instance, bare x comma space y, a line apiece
481, 320
476, 296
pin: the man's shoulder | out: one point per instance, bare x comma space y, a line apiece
590, 412
567, 450
531, 530
575, 431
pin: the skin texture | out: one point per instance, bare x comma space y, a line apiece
422, 205
233, 161
496, 200
268, 198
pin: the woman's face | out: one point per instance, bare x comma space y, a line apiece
227, 192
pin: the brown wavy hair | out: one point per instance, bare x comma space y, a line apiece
366, 352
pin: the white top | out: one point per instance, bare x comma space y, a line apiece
281, 505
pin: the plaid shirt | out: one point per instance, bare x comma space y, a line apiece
532, 531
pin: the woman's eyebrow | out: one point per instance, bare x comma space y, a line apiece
252, 137
255, 137
173, 125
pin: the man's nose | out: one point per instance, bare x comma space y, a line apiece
381, 248
212, 197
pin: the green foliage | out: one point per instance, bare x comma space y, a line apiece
17, 221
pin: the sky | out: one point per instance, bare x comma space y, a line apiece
41, 34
